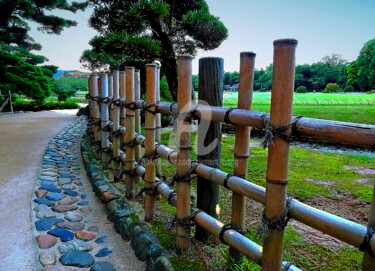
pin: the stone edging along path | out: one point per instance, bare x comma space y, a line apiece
66, 235
126, 221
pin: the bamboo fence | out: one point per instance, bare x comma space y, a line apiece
280, 127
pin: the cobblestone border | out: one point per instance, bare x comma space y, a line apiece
145, 244
65, 235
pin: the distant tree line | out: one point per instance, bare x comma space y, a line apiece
331, 74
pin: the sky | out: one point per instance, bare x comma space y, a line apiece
322, 27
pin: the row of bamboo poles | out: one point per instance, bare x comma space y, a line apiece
115, 107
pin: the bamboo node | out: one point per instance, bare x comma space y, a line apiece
366, 246
151, 191
226, 180
278, 223
277, 131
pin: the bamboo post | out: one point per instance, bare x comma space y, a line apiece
116, 125
241, 146
137, 94
105, 153
184, 67
150, 126
211, 75
110, 95
95, 108
368, 259
10, 101
158, 124
122, 82
278, 152
130, 131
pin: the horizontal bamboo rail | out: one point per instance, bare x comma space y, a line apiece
335, 226
231, 237
305, 128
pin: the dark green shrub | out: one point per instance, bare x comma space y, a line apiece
331, 87
165, 94
349, 89
301, 89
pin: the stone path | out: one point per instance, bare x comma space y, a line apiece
70, 226
23, 140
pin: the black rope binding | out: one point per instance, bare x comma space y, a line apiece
151, 191
105, 100
277, 131
276, 223
186, 178
226, 180
117, 102
184, 221
226, 117
170, 196
365, 246
148, 108
286, 266
131, 105
223, 230
130, 143
106, 128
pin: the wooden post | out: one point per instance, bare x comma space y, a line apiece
116, 125
105, 154
278, 152
123, 110
150, 126
95, 108
137, 94
241, 146
211, 73
184, 67
10, 101
369, 260
110, 95
158, 124
130, 131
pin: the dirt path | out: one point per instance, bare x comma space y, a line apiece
23, 139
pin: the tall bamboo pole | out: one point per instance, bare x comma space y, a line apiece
211, 75
95, 108
278, 152
110, 95
122, 82
368, 259
137, 94
130, 131
116, 124
150, 126
158, 124
105, 154
184, 67
241, 146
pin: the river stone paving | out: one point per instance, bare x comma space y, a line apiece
67, 234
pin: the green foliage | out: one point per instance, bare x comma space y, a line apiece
138, 32
49, 70
22, 105
194, 80
301, 89
227, 78
234, 78
67, 86
331, 87
349, 89
15, 16
165, 95
366, 66
23, 78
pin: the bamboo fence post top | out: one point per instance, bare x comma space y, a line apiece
150, 125
130, 132
241, 147
278, 153
184, 67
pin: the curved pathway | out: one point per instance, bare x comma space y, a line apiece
83, 237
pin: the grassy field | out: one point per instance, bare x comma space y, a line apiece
313, 176
340, 112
